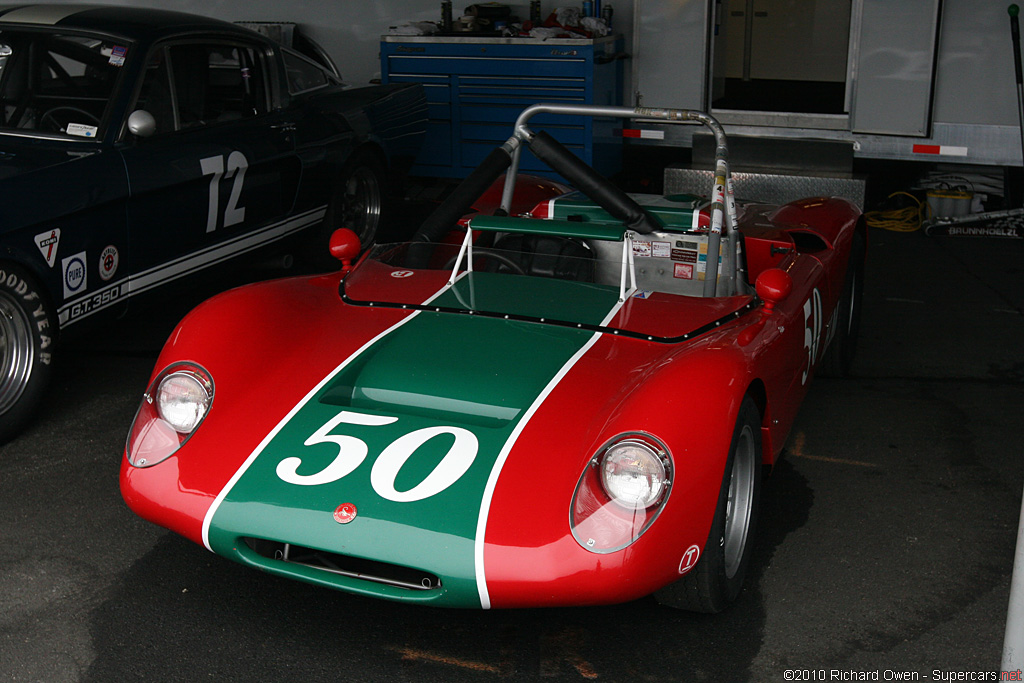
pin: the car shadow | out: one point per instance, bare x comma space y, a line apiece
181, 613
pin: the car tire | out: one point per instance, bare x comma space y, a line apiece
838, 359
28, 329
359, 200
716, 580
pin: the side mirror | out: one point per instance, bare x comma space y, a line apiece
773, 285
141, 123
344, 246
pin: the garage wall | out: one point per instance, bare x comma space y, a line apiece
349, 30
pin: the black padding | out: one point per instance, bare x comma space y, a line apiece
593, 184
445, 217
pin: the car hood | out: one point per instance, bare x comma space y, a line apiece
408, 431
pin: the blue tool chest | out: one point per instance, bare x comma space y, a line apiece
476, 87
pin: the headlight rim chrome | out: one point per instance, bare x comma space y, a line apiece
657, 450
152, 439
189, 371
591, 482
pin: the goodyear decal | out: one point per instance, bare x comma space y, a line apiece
411, 432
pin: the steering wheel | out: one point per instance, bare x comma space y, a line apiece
500, 258
50, 121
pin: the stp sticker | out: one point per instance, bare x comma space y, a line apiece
47, 243
108, 263
402, 273
73, 268
689, 560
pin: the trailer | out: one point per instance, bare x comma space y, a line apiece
914, 80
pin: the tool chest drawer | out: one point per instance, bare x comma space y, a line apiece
476, 87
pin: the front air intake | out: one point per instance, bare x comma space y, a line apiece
344, 565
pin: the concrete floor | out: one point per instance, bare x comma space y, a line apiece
886, 539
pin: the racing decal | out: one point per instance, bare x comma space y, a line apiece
683, 271
74, 274
690, 558
412, 435
82, 130
117, 55
48, 242
401, 274
814, 344
661, 249
108, 263
234, 170
146, 280
641, 249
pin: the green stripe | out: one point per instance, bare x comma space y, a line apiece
535, 297
438, 369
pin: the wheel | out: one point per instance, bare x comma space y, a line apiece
358, 201
838, 359
497, 258
717, 578
50, 120
28, 331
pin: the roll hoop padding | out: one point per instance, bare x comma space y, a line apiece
593, 184
456, 205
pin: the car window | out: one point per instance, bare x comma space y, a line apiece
190, 85
303, 75
53, 83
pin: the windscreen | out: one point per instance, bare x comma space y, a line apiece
53, 83
517, 284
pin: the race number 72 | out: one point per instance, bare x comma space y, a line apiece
214, 167
352, 452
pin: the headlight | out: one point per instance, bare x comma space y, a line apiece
182, 399
633, 474
621, 492
172, 409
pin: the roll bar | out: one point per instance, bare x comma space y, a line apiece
723, 202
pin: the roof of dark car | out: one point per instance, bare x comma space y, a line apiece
129, 22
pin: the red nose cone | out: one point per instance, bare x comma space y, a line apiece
773, 285
344, 245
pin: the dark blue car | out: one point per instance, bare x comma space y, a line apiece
138, 147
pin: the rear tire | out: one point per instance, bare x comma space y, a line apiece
358, 202
28, 330
838, 359
716, 580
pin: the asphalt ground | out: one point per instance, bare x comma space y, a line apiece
885, 546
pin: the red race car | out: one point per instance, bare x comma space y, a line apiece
564, 407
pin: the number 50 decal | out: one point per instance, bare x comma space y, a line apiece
214, 166
812, 331
352, 452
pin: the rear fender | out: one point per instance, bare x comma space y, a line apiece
827, 217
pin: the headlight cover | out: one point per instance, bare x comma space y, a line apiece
621, 492
175, 404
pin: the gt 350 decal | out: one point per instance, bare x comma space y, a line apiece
352, 452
